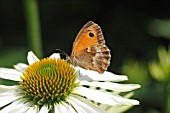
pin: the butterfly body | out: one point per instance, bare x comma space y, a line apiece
89, 49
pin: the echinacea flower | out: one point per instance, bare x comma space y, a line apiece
52, 85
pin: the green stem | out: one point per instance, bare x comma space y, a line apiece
167, 98
33, 26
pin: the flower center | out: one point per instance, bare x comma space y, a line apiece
48, 81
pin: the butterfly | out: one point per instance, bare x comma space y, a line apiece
89, 50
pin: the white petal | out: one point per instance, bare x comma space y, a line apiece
114, 109
56, 109
22, 107
44, 109
61, 108
83, 106
55, 55
86, 103
112, 86
20, 67
4, 88
14, 107
4, 100
89, 75
118, 109
9, 108
104, 97
76, 106
8, 94
32, 110
64, 108
21, 110
69, 108
10, 74
31, 58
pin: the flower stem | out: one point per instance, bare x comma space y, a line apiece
33, 26
167, 98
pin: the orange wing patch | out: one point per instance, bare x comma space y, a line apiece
87, 39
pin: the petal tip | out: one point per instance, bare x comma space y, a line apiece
55, 55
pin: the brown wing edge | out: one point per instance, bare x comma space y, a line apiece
101, 59
95, 27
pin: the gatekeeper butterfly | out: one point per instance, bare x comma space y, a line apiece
89, 50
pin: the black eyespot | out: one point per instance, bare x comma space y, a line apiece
91, 34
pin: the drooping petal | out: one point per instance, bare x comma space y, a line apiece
104, 97
89, 75
64, 108
15, 107
44, 109
20, 110
56, 109
32, 109
61, 108
69, 108
20, 67
10, 74
55, 55
78, 107
83, 105
112, 86
22, 107
7, 96
118, 109
4, 88
31, 58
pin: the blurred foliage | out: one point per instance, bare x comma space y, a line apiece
160, 28
160, 70
137, 72
10, 57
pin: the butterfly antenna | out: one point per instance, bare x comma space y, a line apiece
63, 53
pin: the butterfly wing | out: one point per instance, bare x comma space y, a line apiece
89, 49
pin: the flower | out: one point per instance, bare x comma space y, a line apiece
53, 85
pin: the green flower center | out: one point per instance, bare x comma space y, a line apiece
48, 81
